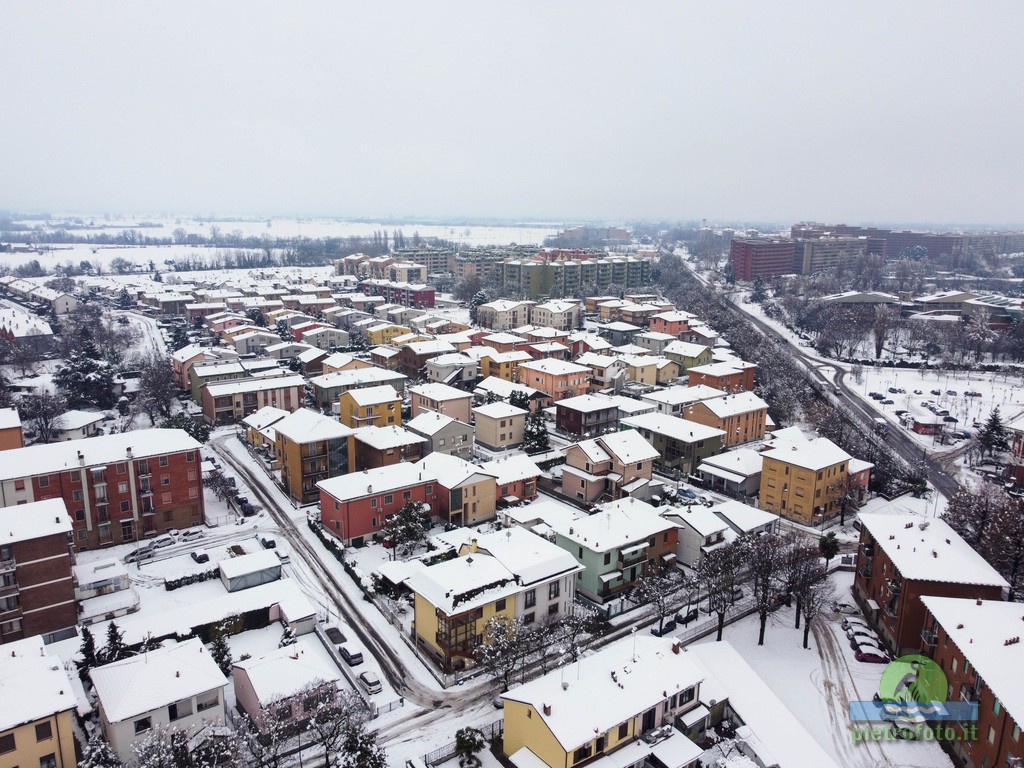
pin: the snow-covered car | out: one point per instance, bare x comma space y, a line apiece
370, 682
193, 534
862, 633
163, 541
870, 657
144, 552
840, 607
848, 622
687, 493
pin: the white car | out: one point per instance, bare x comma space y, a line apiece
192, 534
370, 682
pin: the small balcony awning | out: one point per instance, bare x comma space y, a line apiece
872, 605
611, 576
633, 550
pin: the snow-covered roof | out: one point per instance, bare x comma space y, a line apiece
451, 471
743, 518
430, 422
504, 338
529, 557
628, 446
383, 438
510, 469
503, 388
149, 681
308, 426
76, 419
355, 378
515, 356
685, 349
463, 583
105, 449
555, 367
441, 392
337, 360
597, 693
780, 738
731, 405
311, 355
499, 410
34, 520
374, 395
285, 671
356, 485
264, 417
980, 630
452, 358
673, 427
432, 347
742, 462
188, 352
587, 403
698, 517
617, 524
34, 685
98, 570
929, 550
813, 455
629, 406
256, 384
683, 395
243, 565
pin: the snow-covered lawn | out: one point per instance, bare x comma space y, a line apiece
818, 683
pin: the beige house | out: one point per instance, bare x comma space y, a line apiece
499, 425
613, 466
562, 315
441, 398
503, 315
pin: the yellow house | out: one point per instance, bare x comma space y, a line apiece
310, 447
804, 480
259, 426
384, 333
503, 365
371, 406
606, 703
340, 361
35, 723
511, 574
641, 369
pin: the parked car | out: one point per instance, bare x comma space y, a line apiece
350, 654
863, 644
936, 392
869, 657
144, 552
887, 401
163, 541
687, 493
861, 633
848, 622
248, 510
667, 628
840, 607
370, 682
950, 419
268, 543
875, 395
706, 499
192, 534
685, 618
893, 391
951, 392
200, 557
335, 635
918, 392
283, 556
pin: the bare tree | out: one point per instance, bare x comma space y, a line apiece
661, 588
44, 413
333, 718
764, 556
716, 576
814, 595
505, 647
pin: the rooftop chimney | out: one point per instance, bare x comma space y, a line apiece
547, 710
129, 450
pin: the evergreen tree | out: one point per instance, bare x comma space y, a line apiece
828, 545
88, 650
474, 305
98, 754
179, 338
403, 531
220, 652
361, 750
535, 434
115, 649
86, 380
469, 741
124, 300
255, 314
519, 399
994, 437
198, 430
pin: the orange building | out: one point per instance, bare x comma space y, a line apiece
11, 435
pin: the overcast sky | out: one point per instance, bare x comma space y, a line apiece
758, 111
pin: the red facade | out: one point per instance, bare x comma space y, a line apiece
37, 595
762, 258
354, 520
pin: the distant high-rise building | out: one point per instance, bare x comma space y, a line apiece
754, 257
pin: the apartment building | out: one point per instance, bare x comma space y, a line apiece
440, 398
117, 488
377, 406
499, 425
557, 379
742, 417
231, 401
310, 447
503, 314
681, 445
608, 467
37, 595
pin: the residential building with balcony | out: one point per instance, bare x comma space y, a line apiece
688, 355
499, 425
383, 446
37, 723
515, 478
731, 376
455, 369
561, 315
503, 314
327, 389
676, 401
117, 488
37, 594
514, 574
557, 379
229, 402
201, 374
412, 358
501, 365
742, 416
681, 445
371, 406
977, 645
496, 388
587, 415
903, 558
609, 467
804, 480
310, 447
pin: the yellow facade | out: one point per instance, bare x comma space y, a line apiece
351, 365
384, 335
387, 414
29, 749
799, 493
642, 373
479, 502
427, 623
506, 370
525, 727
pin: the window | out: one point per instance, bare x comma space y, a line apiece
6, 743
193, 493
48, 761
19, 485
389, 499
190, 456
991, 735
44, 482
639, 465
553, 609
179, 709
623, 731
125, 506
554, 590
607, 558
499, 605
191, 474
406, 495
373, 503
83, 535
166, 498
122, 468
165, 479
284, 712
1016, 733
122, 487
996, 707
143, 724
163, 461
686, 696
583, 753
79, 515
430, 489
528, 618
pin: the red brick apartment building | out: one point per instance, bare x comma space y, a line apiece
117, 488
762, 258
977, 645
37, 595
903, 558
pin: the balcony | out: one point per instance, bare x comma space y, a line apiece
9, 589
144, 470
865, 570
8, 565
970, 694
929, 636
